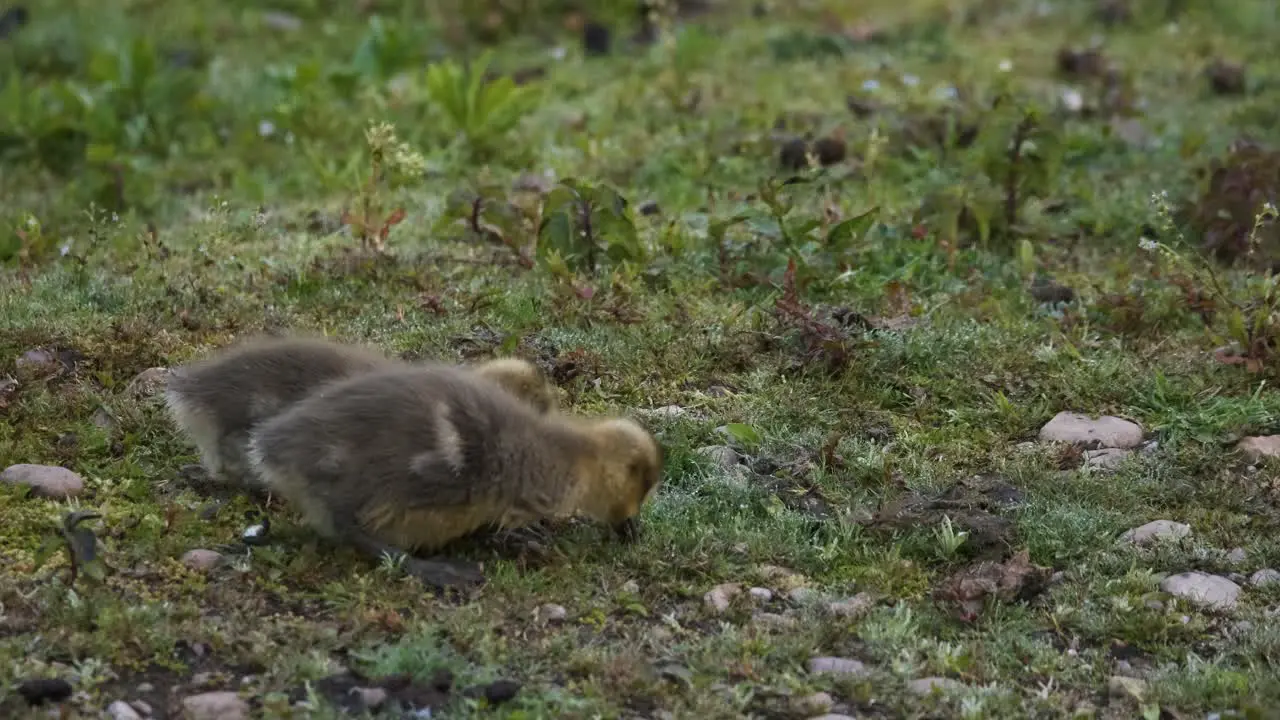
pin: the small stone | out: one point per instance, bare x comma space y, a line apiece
102, 419
1237, 556
774, 621
669, 412
720, 596
926, 686
1120, 686
222, 705
803, 595
1156, 531
48, 481
1150, 447
371, 698
1090, 434
1265, 577
202, 560
149, 382
853, 607
1208, 591
760, 594
1259, 447
36, 362
813, 704
146, 687
722, 455
1084, 709
283, 21
551, 613
836, 666
631, 587
142, 706
1106, 459
121, 710
780, 577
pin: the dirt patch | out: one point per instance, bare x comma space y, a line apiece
971, 505
965, 593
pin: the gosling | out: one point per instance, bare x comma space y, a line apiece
218, 400
404, 461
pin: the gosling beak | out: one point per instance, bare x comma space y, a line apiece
628, 531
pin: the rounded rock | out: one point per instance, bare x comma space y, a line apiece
1207, 591
1259, 447
149, 382
719, 597
121, 710
853, 607
1104, 432
551, 613
48, 481
1265, 577
722, 455
201, 560
221, 705
926, 686
814, 704
1156, 531
836, 666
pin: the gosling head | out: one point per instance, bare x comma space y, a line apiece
522, 379
631, 469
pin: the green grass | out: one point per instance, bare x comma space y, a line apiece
168, 205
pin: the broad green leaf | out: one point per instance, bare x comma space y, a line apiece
743, 434
844, 232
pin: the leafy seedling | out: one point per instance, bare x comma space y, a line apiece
583, 224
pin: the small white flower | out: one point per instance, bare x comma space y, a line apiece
871, 85
910, 80
1148, 244
266, 128
1006, 65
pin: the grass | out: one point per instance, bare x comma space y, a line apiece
165, 193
